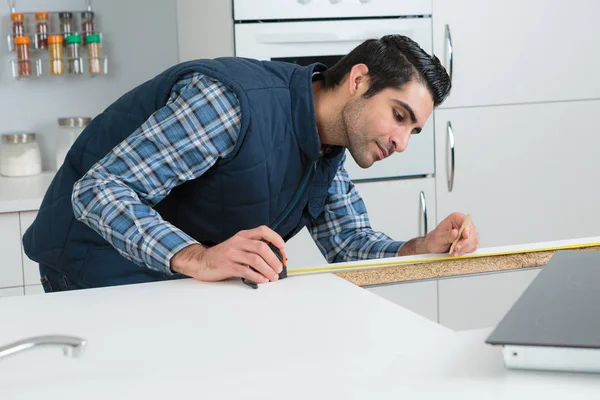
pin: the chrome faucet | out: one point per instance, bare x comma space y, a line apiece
72, 346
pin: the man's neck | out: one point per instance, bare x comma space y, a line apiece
327, 116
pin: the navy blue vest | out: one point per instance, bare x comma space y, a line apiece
275, 176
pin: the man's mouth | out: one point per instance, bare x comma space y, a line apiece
382, 152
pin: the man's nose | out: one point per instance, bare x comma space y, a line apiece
400, 141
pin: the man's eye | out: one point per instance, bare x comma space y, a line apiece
398, 116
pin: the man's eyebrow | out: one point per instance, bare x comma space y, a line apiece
408, 108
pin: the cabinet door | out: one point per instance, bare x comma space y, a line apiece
11, 270
31, 271
34, 289
527, 173
395, 208
480, 301
9, 292
514, 51
420, 297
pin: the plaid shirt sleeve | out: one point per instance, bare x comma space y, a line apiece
199, 124
343, 231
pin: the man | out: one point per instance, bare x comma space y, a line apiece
191, 172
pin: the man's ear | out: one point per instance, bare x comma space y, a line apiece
358, 79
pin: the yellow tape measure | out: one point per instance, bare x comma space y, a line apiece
381, 264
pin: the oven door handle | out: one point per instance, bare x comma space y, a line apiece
315, 37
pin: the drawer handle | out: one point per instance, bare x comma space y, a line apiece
450, 159
424, 214
449, 52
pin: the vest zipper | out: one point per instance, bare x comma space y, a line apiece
296, 198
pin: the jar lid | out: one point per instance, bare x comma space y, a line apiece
73, 39
41, 15
55, 39
95, 38
18, 138
17, 17
65, 14
74, 122
22, 40
87, 14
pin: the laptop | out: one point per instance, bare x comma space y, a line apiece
555, 324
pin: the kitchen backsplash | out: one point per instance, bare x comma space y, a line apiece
140, 39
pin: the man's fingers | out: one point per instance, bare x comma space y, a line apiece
453, 235
255, 261
242, 271
264, 233
263, 250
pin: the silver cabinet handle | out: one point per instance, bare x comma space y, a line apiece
450, 160
424, 211
449, 51
72, 346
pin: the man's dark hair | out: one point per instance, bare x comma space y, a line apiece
393, 61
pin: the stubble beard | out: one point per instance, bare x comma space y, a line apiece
351, 119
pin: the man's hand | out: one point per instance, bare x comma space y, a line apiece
232, 258
440, 239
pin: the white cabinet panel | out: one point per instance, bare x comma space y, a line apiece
9, 292
295, 9
526, 173
34, 289
480, 301
420, 297
11, 270
31, 270
395, 207
515, 51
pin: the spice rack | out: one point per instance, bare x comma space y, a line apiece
59, 43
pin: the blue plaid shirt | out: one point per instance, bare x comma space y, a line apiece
199, 124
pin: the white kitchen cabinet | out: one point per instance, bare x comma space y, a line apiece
526, 173
11, 270
395, 207
514, 51
480, 301
34, 289
9, 292
31, 272
420, 297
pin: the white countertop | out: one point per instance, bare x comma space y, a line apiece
303, 337
23, 194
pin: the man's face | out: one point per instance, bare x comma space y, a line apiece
377, 127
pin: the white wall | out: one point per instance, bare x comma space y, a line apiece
205, 29
140, 38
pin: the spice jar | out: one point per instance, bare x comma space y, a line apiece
20, 155
18, 27
66, 20
18, 24
23, 58
87, 25
55, 51
70, 129
93, 52
41, 30
73, 58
